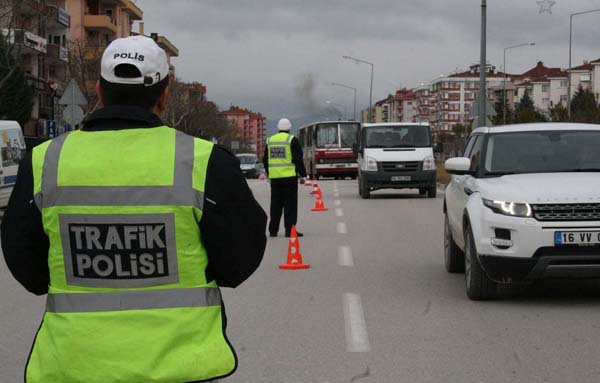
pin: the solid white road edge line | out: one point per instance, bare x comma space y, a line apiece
339, 212
342, 228
357, 338
337, 202
345, 256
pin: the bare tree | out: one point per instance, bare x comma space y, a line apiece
84, 68
189, 112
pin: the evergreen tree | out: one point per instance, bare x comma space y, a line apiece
16, 95
584, 107
558, 113
498, 119
526, 112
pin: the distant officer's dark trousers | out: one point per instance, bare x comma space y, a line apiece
284, 199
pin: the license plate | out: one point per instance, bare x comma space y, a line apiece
581, 238
401, 178
340, 165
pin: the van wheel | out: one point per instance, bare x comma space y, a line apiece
365, 190
454, 258
479, 286
422, 191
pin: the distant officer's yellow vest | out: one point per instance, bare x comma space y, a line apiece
279, 149
128, 298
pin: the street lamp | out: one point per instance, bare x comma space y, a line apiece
340, 105
359, 61
504, 67
348, 87
571, 54
483, 68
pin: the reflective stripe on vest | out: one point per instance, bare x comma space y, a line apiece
280, 156
180, 193
133, 300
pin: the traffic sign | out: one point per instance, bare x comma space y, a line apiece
73, 114
73, 95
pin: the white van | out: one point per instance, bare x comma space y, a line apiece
249, 165
12, 146
396, 156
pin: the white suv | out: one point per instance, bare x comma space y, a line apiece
524, 204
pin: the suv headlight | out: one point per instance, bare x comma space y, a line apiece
371, 165
429, 163
512, 209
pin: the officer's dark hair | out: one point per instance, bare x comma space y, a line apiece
131, 95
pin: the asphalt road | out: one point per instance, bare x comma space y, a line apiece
376, 306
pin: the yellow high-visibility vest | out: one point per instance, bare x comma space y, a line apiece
128, 298
279, 148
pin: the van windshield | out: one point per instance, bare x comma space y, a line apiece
406, 136
247, 160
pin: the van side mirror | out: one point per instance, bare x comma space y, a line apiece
438, 148
356, 149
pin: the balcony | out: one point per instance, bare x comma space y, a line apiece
135, 13
57, 53
169, 47
100, 23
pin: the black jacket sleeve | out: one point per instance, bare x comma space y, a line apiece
266, 159
297, 157
233, 224
24, 242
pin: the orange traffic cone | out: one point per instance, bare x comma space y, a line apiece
319, 205
294, 258
316, 189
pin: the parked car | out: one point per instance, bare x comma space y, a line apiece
396, 156
249, 165
12, 146
524, 204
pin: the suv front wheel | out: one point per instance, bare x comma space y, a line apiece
454, 258
479, 286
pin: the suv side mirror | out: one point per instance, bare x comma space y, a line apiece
459, 166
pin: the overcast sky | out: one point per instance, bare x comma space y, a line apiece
279, 57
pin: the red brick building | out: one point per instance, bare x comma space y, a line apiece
250, 127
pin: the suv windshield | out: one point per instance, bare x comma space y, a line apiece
414, 136
543, 152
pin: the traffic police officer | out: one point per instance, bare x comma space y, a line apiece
284, 165
127, 225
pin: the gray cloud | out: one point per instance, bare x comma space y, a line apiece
256, 53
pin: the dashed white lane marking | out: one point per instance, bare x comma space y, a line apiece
345, 256
357, 338
341, 228
336, 195
337, 202
339, 212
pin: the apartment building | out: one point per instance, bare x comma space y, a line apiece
250, 127
454, 95
424, 103
546, 86
399, 107
40, 34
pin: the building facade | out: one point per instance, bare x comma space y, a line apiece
250, 128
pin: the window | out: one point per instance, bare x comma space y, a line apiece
476, 154
545, 88
586, 77
469, 146
564, 83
